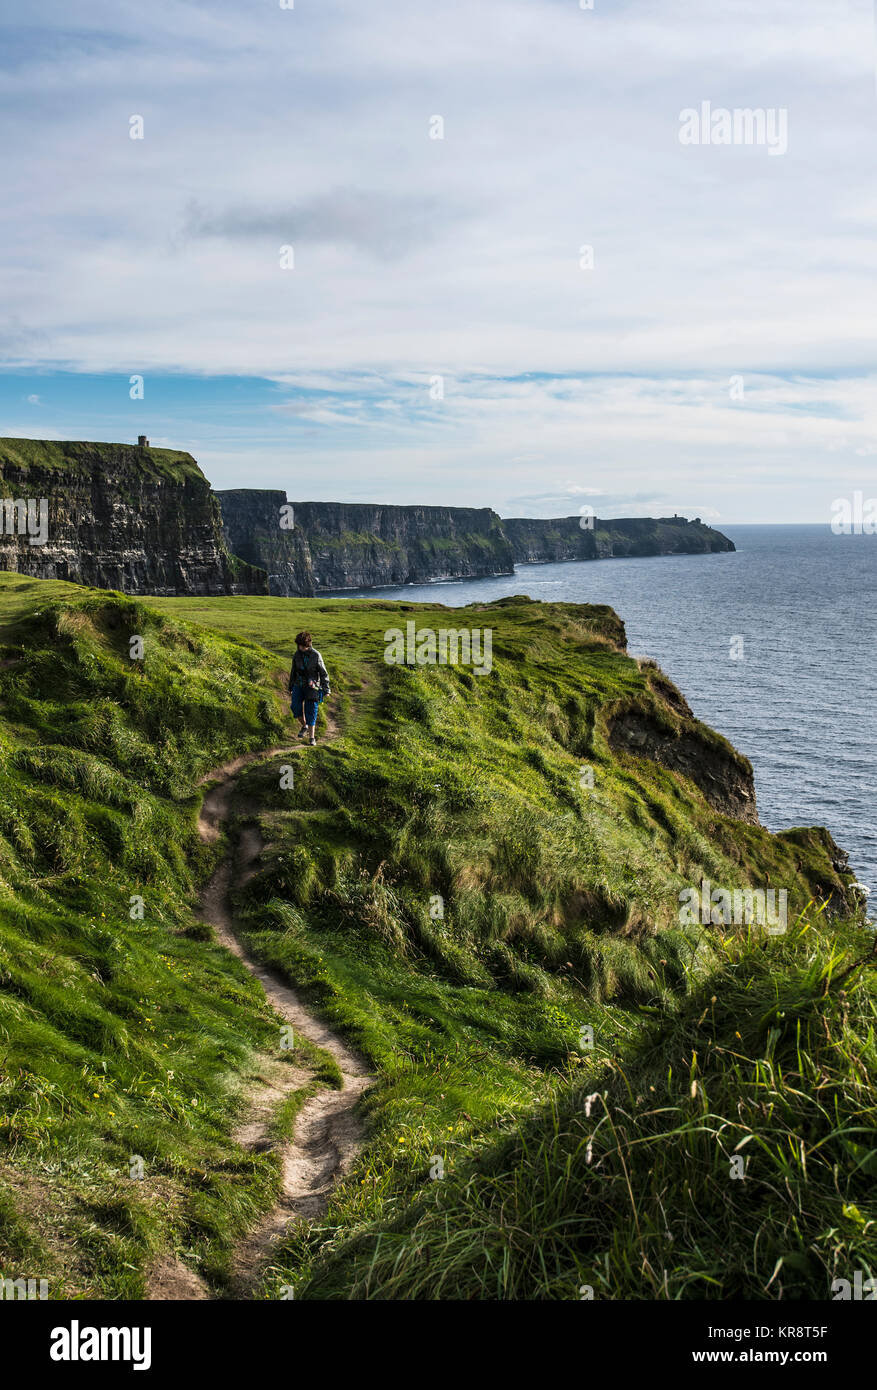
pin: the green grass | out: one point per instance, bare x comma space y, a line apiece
728, 1154
50, 454
119, 1036
559, 914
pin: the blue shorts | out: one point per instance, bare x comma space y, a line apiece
310, 706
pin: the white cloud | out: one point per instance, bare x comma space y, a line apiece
459, 257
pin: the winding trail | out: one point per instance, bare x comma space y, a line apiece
328, 1131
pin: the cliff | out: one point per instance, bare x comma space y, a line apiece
251, 523
350, 545
117, 516
534, 541
144, 521
659, 725
339, 545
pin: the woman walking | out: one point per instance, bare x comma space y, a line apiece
308, 685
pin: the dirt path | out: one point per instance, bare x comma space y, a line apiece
328, 1132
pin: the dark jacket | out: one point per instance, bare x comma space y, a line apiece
308, 666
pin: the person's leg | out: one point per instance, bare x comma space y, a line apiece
298, 710
311, 707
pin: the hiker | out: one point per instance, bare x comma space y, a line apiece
308, 684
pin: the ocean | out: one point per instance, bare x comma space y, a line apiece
774, 645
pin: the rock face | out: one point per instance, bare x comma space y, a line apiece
351, 545
663, 728
341, 545
144, 521
537, 541
252, 527
679, 742
119, 516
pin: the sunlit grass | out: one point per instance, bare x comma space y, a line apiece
449, 893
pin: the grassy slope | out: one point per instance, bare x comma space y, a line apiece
728, 1153
118, 1037
438, 787
435, 786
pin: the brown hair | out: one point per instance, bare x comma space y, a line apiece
303, 639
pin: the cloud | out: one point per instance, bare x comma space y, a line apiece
458, 257
384, 226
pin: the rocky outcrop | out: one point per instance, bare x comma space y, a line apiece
566, 538
117, 516
352, 545
682, 744
346, 545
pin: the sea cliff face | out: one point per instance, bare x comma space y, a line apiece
252, 523
349, 545
565, 538
144, 521
337, 545
118, 516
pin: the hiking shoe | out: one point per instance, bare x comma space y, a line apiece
302, 730
313, 738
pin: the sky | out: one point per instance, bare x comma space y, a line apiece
451, 252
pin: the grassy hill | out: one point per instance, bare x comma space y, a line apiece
471, 875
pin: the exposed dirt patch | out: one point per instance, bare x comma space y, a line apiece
271, 1086
328, 1131
172, 1280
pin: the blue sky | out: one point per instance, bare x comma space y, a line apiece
436, 337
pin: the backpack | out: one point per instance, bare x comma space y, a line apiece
307, 673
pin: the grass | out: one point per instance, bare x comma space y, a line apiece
456, 900
120, 1036
50, 454
728, 1154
